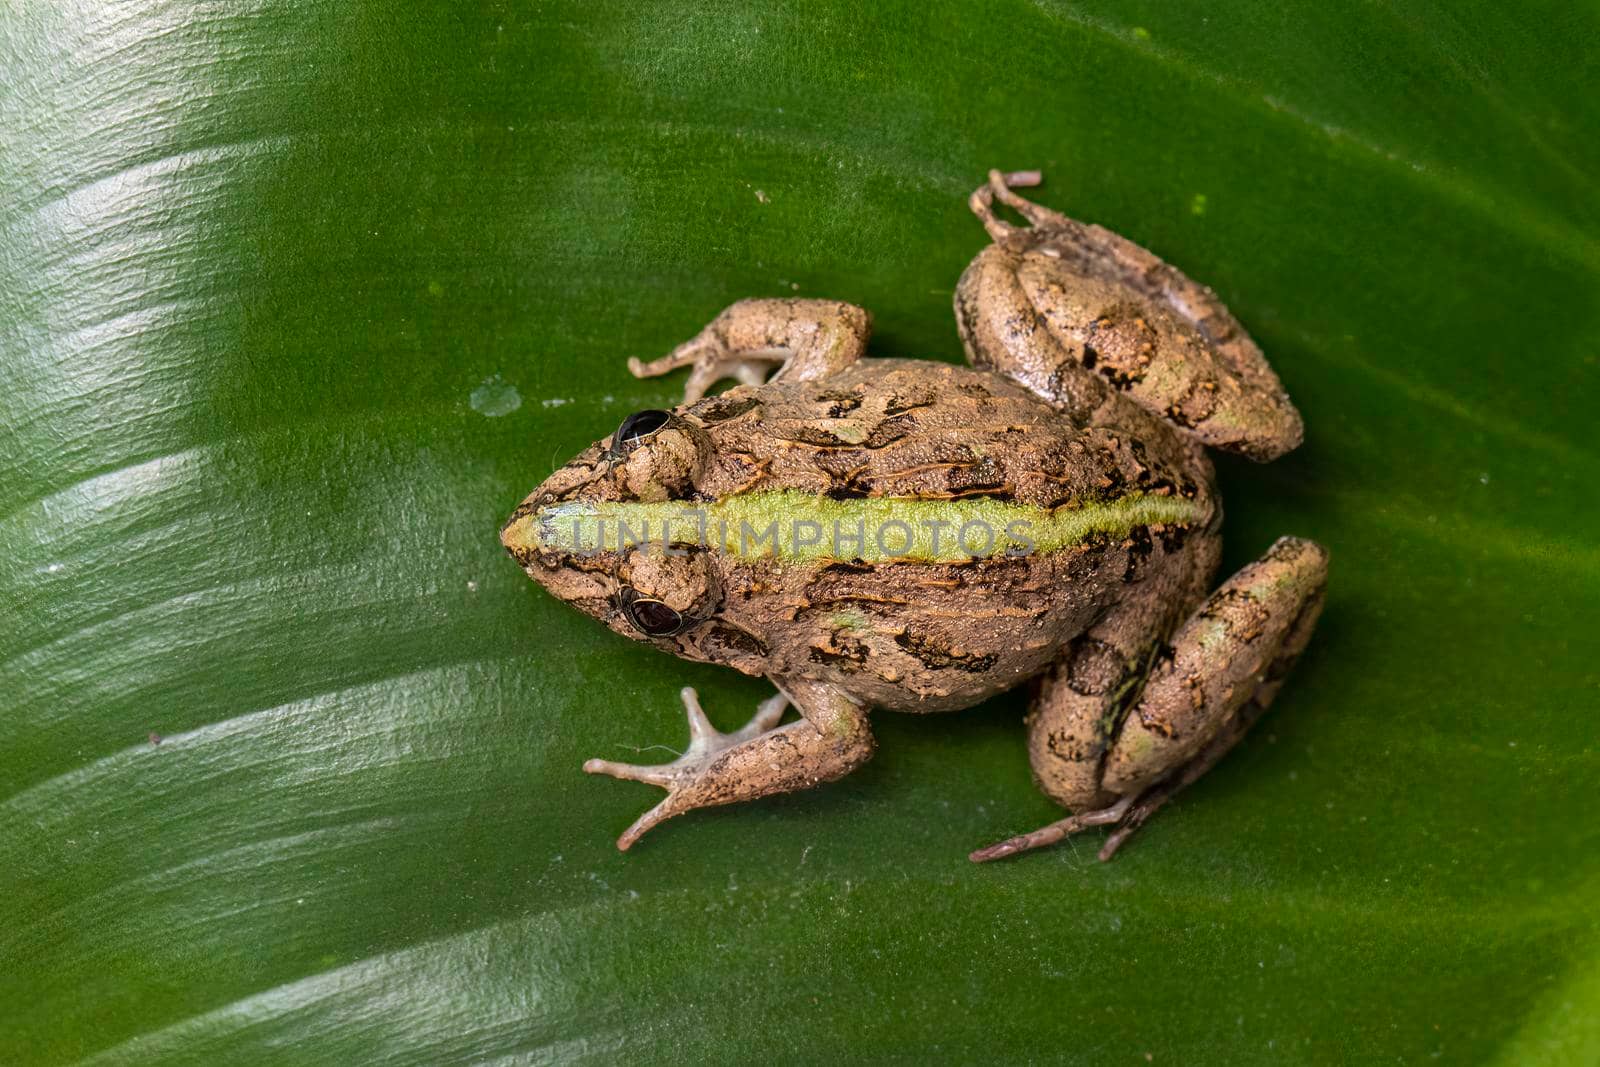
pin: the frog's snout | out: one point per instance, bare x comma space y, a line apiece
548, 538
521, 529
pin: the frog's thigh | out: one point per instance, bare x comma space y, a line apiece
1205, 372
810, 338
1074, 311
1002, 331
1232, 652
1074, 714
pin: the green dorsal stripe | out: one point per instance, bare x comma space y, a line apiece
800, 526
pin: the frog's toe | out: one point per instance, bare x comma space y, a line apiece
1056, 831
650, 820
710, 362
699, 350
705, 739
710, 365
632, 772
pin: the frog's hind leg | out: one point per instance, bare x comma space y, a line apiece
1221, 671
1228, 663
810, 338
1079, 705
1081, 315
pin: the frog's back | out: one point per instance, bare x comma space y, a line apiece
1104, 506
916, 428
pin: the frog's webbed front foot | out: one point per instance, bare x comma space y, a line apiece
758, 759
1221, 671
810, 338
706, 742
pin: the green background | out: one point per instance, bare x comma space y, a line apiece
256, 258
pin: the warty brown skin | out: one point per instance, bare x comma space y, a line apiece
1100, 374
938, 636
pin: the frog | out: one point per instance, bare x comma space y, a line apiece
1066, 466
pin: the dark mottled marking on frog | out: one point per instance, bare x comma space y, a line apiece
1090, 357
1071, 748
1174, 536
1282, 552
1067, 396
846, 567
844, 479
527, 556
899, 405
852, 581
964, 325
975, 390
722, 408
1088, 554
846, 491
884, 433
1000, 574
1157, 486
1130, 687
721, 637
815, 436
1110, 485
889, 431
1240, 611
608, 563
1140, 548
840, 402
848, 655
937, 658
1141, 460
1122, 379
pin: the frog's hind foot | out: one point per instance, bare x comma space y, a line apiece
1127, 814
706, 743
999, 187
1059, 830
1219, 674
1153, 799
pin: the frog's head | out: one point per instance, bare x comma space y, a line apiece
592, 536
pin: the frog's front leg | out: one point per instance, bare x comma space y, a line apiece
1224, 666
811, 338
830, 740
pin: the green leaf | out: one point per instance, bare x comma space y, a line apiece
297, 301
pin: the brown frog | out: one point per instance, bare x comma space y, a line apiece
917, 536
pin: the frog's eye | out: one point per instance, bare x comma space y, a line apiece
637, 427
648, 615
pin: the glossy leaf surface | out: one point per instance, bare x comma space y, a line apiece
297, 300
